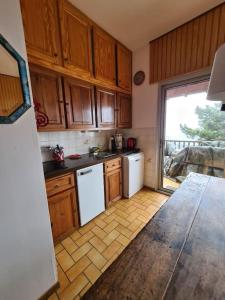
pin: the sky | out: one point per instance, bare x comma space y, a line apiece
181, 110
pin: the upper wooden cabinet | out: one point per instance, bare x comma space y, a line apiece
41, 27
60, 37
124, 107
104, 56
80, 104
106, 108
124, 67
48, 96
76, 39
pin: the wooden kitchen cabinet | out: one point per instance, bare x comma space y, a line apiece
124, 67
48, 96
113, 181
104, 56
124, 111
106, 108
41, 28
80, 104
76, 39
62, 205
61, 210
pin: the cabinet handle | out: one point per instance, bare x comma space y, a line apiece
56, 186
51, 224
66, 58
55, 54
85, 172
137, 159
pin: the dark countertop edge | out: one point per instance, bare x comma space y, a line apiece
59, 172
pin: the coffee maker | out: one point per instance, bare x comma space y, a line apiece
116, 142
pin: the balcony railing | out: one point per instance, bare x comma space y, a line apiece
182, 144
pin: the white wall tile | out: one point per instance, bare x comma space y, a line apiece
73, 141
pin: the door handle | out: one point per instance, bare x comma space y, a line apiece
85, 172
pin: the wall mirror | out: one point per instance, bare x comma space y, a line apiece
14, 89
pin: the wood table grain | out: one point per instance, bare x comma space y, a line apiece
180, 254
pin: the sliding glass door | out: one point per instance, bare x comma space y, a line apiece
192, 134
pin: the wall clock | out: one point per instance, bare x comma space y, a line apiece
139, 77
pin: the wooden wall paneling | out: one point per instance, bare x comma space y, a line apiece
208, 29
214, 34
221, 34
189, 47
159, 65
183, 50
164, 55
153, 58
201, 41
173, 53
195, 42
178, 51
168, 54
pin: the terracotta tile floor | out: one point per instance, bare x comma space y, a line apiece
89, 251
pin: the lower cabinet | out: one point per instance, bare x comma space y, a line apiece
113, 181
62, 208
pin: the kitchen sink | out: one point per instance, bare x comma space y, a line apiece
105, 154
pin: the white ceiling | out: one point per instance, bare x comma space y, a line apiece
136, 22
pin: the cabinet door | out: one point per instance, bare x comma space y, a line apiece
124, 109
47, 94
113, 186
124, 67
104, 56
106, 106
76, 39
62, 212
80, 104
41, 28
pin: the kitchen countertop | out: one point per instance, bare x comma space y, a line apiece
53, 168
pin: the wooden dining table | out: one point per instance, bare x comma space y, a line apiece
179, 254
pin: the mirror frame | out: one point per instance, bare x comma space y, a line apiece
23, 81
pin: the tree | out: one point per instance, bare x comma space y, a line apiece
211, 124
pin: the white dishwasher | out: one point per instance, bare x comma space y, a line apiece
90, 185
133, 174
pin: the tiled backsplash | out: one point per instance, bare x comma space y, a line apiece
73, 141
80, 142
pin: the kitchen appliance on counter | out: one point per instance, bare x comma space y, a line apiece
133, 174
57, 153
90, 185
118, 141
131, 143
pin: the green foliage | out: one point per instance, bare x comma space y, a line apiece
211, 124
